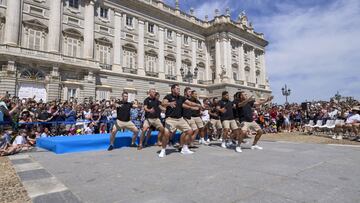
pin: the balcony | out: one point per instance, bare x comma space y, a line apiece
170, 77
250, 84
105, 66
239, 82
129, 70
205, 82
152, 74
262, 87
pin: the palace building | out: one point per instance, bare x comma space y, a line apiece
86, 49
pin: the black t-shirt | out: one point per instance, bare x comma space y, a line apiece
177, 111
195, 113
245, 113
152, 104
229, 113
187, 113
123, 111
44, 115
213, 109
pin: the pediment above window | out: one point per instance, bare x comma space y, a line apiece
104, 40
35, 24
73, 33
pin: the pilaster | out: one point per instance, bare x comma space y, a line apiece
54, 26
161, 54
89, 29
141, 51
12, 25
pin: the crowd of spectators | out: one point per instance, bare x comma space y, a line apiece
24, 120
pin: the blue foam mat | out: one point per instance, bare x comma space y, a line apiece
97, 142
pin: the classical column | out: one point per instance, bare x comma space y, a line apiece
218, 60
12, 25
263, 69
178, 57
161, 54
89, 29
228, 58
241, 62
54, 26
117, 43
141, 50
193, 58
207, 62
252, 66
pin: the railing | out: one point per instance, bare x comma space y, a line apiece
105, 66
239, 82
129, 70
250, 84
170, 77
152, 74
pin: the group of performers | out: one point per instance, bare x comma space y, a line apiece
232, 120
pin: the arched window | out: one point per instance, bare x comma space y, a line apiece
103, 50
32, 74
235, 71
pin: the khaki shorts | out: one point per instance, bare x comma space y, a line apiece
191, 123
176, 123
230, 124
199, 122
246, 126
125, 125
216, 123
155, 122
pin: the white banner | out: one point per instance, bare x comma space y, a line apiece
28, 90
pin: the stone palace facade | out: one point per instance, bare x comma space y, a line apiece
86, 49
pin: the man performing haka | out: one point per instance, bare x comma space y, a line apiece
174, 104
195, 117
187, 114
245, 113
226, 109
123, 120
215, 119
152, 118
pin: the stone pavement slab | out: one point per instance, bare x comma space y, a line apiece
282, 172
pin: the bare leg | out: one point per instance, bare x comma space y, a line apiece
142, 136
257, 137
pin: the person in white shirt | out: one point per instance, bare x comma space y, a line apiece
205, 117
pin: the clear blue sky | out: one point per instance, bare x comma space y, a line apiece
314, 44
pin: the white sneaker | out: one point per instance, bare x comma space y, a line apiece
208, 140
185, 150
339, 137
223, 145
220, 139
200, 141
256, 147
238, 149
162, 153
333, 137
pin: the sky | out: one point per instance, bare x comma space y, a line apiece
314, 45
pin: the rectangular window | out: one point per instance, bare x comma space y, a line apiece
169, 34
104, 12
34, 39
104, 29
199, 44
35, 10
102, 94
74, 4
129, 21
151, 28
104, 54
72, 47
186, 40
73, 21
71, 93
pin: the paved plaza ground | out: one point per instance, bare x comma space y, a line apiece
282, 172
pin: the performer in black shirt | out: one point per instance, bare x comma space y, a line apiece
245, 113
152, 119
174, 104
215, 119
123, 120
225, 108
